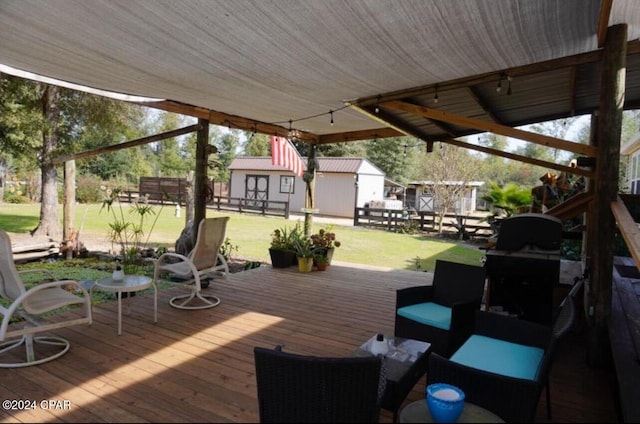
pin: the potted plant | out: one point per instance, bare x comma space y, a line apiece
304, 252
282, 249
321, 261
325, 241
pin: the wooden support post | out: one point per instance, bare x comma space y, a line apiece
69, 235
202, 153
601, 240
310, 193
189, 199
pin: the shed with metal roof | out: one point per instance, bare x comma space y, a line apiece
342, 183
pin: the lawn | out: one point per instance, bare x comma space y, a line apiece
250, 234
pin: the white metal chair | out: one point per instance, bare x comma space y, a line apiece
22, 317
203, 262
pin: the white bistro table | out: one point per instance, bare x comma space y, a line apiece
131, 283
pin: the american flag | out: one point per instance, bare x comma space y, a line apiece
284, 153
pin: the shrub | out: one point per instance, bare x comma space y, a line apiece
88, 189
15, 198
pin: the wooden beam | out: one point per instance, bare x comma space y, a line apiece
520, 158
603, 21
478, 124
382, 132
480, 101
126, 145
177, 107
227, 120
628, 228
572, 207
233, 121
572, 90
402, 128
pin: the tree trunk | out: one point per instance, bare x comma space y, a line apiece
3, 175
49, 224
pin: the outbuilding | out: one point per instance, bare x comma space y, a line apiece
422, 195
631, 151
342, 183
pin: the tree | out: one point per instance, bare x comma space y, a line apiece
353, 149
227, 144
175, 157
391, 155
51, 120
20, 124
256, 144
49, 223
450, 169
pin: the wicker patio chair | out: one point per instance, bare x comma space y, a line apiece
202, 262
441, 314
299, 389
33, 312
502, 367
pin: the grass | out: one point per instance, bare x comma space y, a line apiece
251, 235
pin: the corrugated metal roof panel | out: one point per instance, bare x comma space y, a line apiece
343, 165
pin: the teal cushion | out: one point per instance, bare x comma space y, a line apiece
428, 313
500, 357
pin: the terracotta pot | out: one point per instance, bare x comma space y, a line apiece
322, 266
328, 253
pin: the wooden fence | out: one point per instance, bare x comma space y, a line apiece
398, 220
243, 205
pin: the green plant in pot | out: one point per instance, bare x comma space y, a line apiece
282, 249
304, 252
321, 261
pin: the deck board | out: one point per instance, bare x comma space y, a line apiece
197, 366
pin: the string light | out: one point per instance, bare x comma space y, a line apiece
292, 130
377, 109
508, 85
435, 96
413, 146
499, 87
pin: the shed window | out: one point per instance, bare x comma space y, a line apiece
287, 184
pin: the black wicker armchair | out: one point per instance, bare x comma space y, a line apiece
441, 314
298, 389
506, 380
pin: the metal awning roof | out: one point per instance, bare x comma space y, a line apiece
316, 66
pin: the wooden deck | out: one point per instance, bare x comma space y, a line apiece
197, 366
